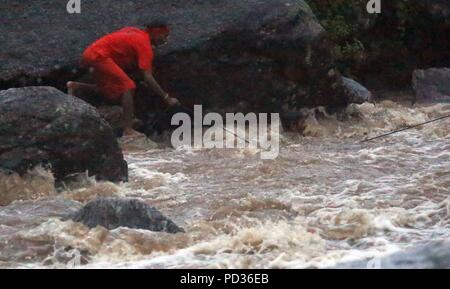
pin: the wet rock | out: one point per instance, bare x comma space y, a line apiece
43, 126
113, 115
435, 255
220, 52
432, 84
112, 213
355, 91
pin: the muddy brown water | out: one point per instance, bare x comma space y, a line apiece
326, 199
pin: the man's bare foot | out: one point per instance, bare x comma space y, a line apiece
74, 87
71, 88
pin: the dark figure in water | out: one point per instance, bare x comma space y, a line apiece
128, 49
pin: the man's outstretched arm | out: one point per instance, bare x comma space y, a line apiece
156, 88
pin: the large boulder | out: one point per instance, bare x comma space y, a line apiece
260, 53
432, 84
435, 255
43, 126
113, 213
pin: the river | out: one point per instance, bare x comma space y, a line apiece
326, 199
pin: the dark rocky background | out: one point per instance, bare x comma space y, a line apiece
382, 50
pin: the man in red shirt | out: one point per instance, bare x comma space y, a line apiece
128, 49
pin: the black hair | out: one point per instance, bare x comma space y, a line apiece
160, 23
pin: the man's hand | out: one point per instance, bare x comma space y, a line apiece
150, 80
172, 101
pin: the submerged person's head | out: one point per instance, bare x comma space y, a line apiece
158, 30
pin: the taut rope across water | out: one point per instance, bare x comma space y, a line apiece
405, 128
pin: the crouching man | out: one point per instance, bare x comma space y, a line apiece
128, 49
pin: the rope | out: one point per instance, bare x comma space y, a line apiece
405, 128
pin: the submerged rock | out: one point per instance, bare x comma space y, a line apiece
355, 91
435, 255
432, 84
43, 126
265, 53
112, 213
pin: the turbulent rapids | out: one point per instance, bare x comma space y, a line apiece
325, 200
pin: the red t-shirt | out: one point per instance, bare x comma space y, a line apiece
129, 48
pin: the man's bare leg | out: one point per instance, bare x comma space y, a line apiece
128, 114
73, 87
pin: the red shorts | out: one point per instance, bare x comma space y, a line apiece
110, 79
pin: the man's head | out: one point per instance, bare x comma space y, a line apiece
159, 31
